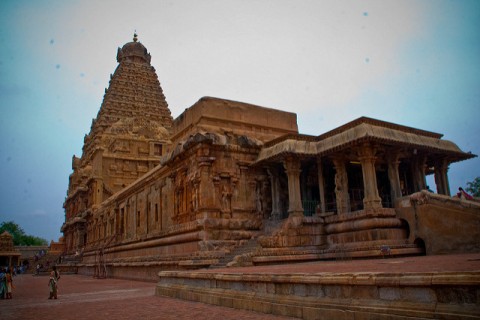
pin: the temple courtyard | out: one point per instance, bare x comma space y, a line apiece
82, 297
449, 284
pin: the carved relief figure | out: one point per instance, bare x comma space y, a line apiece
195, 197
226, 196
341, 192
258, 197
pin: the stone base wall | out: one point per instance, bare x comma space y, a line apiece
340, 296
444, 224
137, 273
360, 234
308, 232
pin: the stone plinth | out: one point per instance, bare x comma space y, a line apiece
332, 296
443, 224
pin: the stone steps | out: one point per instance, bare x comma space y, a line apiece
249, 247
270, 226
338, 254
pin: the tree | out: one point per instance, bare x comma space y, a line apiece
19, 236
474, 187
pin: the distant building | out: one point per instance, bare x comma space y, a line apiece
57, 247
9, 255
234, 183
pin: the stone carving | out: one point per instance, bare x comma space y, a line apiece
185, 192
341, 186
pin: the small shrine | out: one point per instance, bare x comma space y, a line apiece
9, 256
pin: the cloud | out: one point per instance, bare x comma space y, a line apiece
39, 213
11, 90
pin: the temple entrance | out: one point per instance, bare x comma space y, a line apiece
383, 184
279, 192
329, 182
355, 185
309, 188
406, 178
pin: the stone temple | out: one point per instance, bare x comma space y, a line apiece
229, 183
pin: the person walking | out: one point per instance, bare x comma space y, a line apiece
52, 283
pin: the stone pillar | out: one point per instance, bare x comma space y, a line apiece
418, 170
293, 169
127, 220
441, 177
341, 185
321, 185
244, 189
393, 176
275, 187
206, 195
367, 159
97, 187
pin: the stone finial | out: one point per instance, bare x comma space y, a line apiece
135, 36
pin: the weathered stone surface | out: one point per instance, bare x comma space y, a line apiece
329, 295
150, 191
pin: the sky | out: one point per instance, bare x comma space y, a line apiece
415, 63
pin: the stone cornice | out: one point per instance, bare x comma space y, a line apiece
357, 133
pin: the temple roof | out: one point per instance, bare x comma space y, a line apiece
356, 132
6, 234
210, 114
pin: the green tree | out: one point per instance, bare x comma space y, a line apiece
19, 236
474, 187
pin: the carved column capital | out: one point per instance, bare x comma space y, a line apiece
367, 152
292, 165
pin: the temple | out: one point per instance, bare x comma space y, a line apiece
9, 255
228, 183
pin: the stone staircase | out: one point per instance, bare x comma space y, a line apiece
46, 262
249, 247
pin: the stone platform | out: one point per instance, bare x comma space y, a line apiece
428, 287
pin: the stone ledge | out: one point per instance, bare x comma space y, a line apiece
346, 253
361, 278
295, 305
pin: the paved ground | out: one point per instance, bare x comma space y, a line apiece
82, 297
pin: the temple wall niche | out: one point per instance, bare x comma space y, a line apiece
131, 212
140, 214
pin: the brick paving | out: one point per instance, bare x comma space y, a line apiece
82, 297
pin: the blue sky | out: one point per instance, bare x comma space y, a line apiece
415, 63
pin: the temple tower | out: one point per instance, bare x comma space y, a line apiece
126, 139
